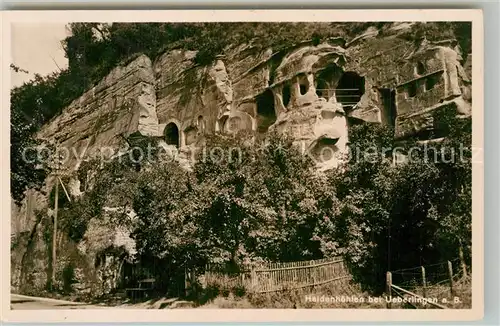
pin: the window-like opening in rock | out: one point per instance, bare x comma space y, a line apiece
412, 89
388, 99
100, 260
190, 135
286, 95
303, 89
275, 62
328, 141
350, 89
325, 149
172, 134
322, 89
201, 124
352, 121
221, 124
402, 92
328, 114
420, 68
303, 84
266, 115
234, 124
431, 81
325, 81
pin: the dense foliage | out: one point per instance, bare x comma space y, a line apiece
398, 215
248, 202
242, 204
25, 169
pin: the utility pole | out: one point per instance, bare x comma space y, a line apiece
54, 230
54, 236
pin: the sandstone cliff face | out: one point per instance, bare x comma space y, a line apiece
121, 104
313, 92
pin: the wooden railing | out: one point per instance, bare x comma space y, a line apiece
346, 96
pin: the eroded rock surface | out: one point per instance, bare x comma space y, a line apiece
312, 92
121, 104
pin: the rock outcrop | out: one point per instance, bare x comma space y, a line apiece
312, 92
123, 103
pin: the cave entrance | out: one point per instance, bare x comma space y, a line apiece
172, 134
388, 100
220, 125
325, 81
201, 124
350, 88
303, 84
286, 95
266, 114
322, 89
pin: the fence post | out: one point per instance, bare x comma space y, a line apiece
462, 260
389, 289
313, 272
193, 281
253, 279
450, 275
185, 282
424, 282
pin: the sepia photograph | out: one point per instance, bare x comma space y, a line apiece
237, 165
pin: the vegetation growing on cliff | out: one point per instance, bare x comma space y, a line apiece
94, 49
252, 203
412, 213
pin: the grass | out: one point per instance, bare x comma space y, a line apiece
337, 295
225, 293
441, 293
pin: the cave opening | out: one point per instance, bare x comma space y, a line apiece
388, 99
201, 124
303, 84
432, 80
412, 89
325, 81
266, 114
420, 69
275, 61
325, 149
350, 88
220, 125
322, 89
303, 89
286, 95
172, 134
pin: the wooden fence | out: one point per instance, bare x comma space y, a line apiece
272, 277
423, 289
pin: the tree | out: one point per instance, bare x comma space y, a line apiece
407, 214
263, 200
27, 170
363, 187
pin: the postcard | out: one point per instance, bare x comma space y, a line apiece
243, 165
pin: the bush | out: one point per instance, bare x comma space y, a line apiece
402, 215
